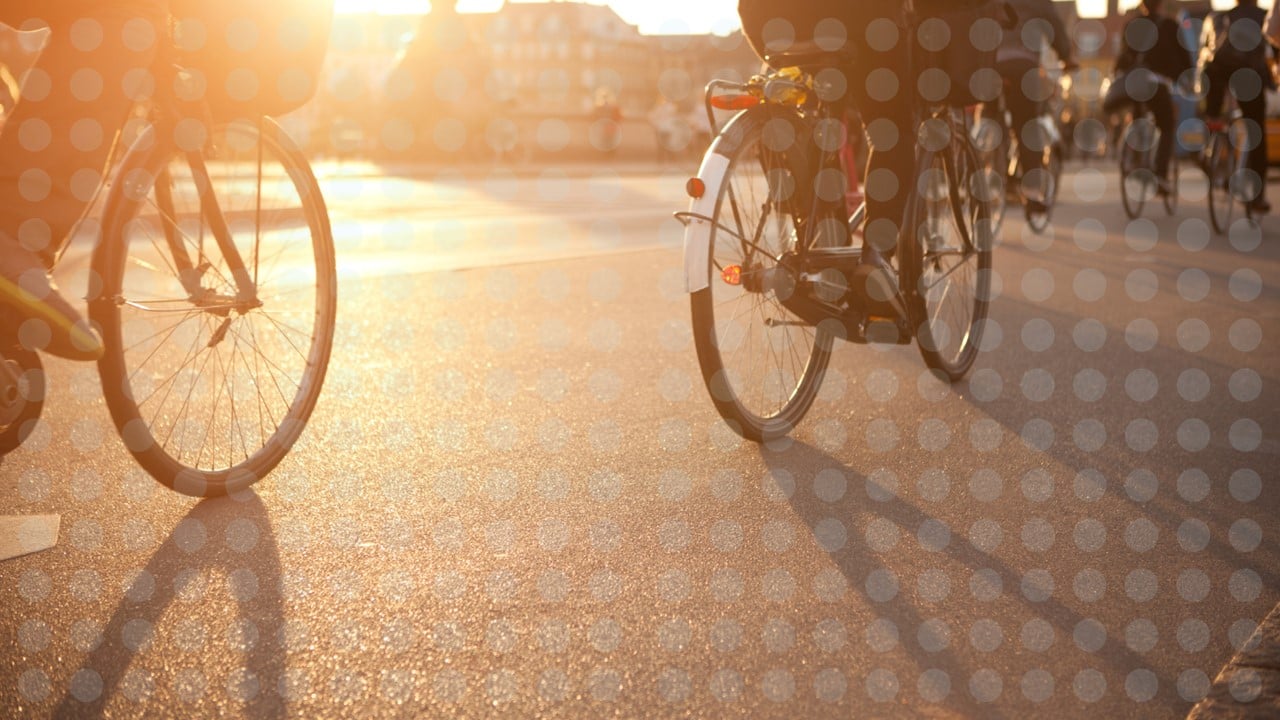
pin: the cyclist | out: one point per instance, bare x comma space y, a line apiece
1026, 86
876, 34
1151, 43
1236, 57
53, 151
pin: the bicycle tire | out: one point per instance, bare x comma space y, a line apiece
1219, 171
1170, 199
1245, 184
245, 168
1136, 177
992, 143
765, 170
20, 407
944, 201
1047, 180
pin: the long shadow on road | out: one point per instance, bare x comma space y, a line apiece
857, 565
253, 573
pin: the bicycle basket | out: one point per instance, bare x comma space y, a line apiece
253, 57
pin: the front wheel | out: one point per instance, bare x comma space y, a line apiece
22, 388
761, 363
218, 301
946, 266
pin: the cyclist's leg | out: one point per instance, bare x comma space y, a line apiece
1023, 95
1215, 93
884, 94
54, 148
1254, 110
1162, 106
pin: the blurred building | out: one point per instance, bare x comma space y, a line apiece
544, 60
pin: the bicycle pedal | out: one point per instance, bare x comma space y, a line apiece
885, 331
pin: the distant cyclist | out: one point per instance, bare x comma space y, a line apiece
1236, 57
1026, 86
1151, 42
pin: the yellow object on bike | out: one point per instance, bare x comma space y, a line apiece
793, 89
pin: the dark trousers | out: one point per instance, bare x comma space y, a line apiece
1161, 105
1023, 110
1254, 110
879, 86
53, 148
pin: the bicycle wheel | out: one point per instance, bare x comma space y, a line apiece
210, 380
22, 389
1170, 199
1043, 183
1244, 183
1137, 180
991, 141
946, 263
1219, 168
761, 363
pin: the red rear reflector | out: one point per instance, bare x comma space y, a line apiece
735, 102
695, 187
732, 275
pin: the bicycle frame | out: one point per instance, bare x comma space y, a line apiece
159, 137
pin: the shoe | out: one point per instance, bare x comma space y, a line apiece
31, 304
1164, 188
1260, 206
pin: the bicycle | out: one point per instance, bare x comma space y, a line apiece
768, 233
1139, 139
999, 147
1224, 161
214, 285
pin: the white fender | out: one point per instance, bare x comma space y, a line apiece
697, 234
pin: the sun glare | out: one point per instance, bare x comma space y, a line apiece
665, 16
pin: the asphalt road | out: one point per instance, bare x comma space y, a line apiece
515, 497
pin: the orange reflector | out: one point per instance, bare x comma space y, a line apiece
732, 275
735, 102
695, 187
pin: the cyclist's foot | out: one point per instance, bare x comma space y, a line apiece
44, 319
879, 289
1260, 206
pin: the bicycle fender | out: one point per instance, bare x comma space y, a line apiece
697, 234
712, 173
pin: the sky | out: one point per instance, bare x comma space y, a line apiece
672, 16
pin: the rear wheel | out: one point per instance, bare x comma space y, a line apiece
1219, 167
946, 267
992, 144
1245, 184
1137, 179
761, 363
211, 372
1170, 198
1042, 183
